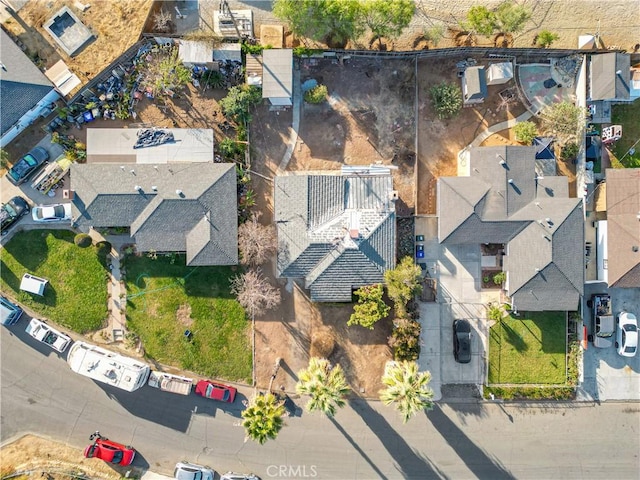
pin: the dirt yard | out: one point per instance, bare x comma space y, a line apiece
439, 141
116, 26
54, 461
368, 118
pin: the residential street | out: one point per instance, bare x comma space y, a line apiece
366, 440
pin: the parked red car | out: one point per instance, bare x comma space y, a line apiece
109, 451
216, 391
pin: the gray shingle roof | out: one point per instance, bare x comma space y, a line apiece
196, 221
316, 217
606, 84
541, 225
22, 84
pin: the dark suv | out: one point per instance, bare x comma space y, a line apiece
28, 164
11, 212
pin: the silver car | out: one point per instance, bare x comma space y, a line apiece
191, 471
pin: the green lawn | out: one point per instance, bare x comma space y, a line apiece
165, 299
76, 295
627, 115
528, 349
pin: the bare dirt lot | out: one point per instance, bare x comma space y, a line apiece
52, 460
116, 26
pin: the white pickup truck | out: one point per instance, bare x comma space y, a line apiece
48, 335
170, 383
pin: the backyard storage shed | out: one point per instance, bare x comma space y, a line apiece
195, 53
499, 73
474, 85
277, 76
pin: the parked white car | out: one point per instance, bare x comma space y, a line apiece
239, 476
49, 335
627, 334
191, 471
51, 213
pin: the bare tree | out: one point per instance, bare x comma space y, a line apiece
256, 242
254, 293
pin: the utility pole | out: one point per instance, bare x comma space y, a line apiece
224, 8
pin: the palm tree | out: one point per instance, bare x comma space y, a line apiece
327, 386
408, 388
262, 418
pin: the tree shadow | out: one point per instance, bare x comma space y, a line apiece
473, 456
408, 462
514, 338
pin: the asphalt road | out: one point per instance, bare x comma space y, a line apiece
365, 440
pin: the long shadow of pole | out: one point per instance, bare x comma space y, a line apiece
473, 456
408, 462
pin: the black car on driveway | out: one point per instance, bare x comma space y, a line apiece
462, 341
28, 164
11, 212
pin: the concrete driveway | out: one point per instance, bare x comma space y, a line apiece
607, 375
456, 270
33, 196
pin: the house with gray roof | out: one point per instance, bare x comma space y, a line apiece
337, 232
181, 207
610, 76
503, 201
25, 92
623, 227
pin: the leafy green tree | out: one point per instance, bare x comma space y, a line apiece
164, 72
317, 94
403, 283
370, 307
545, 38
262, 419
327, 386
238, 102
507, 17
563, 121
334, 22
525, 132
510, 17
446, 99
387, 18
407, 388
481, 20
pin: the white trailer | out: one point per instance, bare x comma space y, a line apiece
108, 367
170, 383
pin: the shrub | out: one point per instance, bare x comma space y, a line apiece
446, 99
103, 250
545, 38
569, 151
525, 132
405, 339
499, 278
82, 240
317, 94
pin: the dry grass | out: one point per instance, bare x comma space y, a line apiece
36, 454
116, 24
